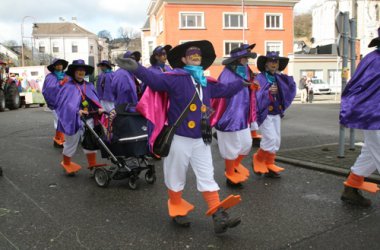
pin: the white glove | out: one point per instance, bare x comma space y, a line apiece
126, 63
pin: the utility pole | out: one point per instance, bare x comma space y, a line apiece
344, 17
353, 29
242, 10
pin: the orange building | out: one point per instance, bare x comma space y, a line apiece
226, 23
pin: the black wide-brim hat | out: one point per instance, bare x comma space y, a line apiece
57, 61
262, 60
208, 53
156, 51
106, 63
79, 64
376, 41
243, 51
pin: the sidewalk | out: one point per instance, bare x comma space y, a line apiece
319, 99
323, 158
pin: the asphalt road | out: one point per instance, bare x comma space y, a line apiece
41, 208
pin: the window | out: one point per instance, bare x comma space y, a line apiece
74, 47
234, 20
194, 20
55, 47
230, 45
273, 21
41, 47
160, 25
274, 46
150, 47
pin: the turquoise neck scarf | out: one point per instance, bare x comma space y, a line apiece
107, 70
270, 78
60, 75
197, 73
241, 71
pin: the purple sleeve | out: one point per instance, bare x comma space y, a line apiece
225, 89
156, 81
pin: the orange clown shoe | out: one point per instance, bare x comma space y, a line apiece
232, 175
178, 206
59, 139
239, 167
358, 182
270, 163
69, 166
91, 159
255, 135
227, 203
259, 158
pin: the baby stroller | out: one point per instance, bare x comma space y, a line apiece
124, 141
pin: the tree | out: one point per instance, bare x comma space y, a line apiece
128, 34
105, 34
303, 25
10, 43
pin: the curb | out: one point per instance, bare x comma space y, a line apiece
323, 168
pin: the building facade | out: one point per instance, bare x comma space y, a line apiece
69, 41
368, 20
227, 24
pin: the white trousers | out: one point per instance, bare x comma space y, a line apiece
183, 151
108, 106
55, 119
369, 159
303, 95
71, 141
233, 144
271, 133
254, 126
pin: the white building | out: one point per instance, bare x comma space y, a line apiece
69, 41
368, 21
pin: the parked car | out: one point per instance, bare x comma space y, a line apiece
320, 87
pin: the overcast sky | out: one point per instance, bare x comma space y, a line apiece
93, 15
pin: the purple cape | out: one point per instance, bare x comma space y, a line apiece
50, 89
286, 89
68, 105
360, 98
124, 87
234, 113
105, 93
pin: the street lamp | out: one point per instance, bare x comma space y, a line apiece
22, 38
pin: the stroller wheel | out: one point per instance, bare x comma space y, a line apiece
132, 183
150, 177
101, 177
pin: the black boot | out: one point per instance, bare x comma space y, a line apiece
182, 221
222, 221
272, 174
353, 196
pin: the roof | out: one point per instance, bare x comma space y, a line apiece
146, 25
61, 29
154, 5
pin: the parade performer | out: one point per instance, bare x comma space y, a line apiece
358, 110
53, 82
76, 98
191, 142
275, 95
234, 115
104, 86
126, 88
158, 59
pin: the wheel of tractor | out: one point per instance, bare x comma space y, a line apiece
12, 98
2, 101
